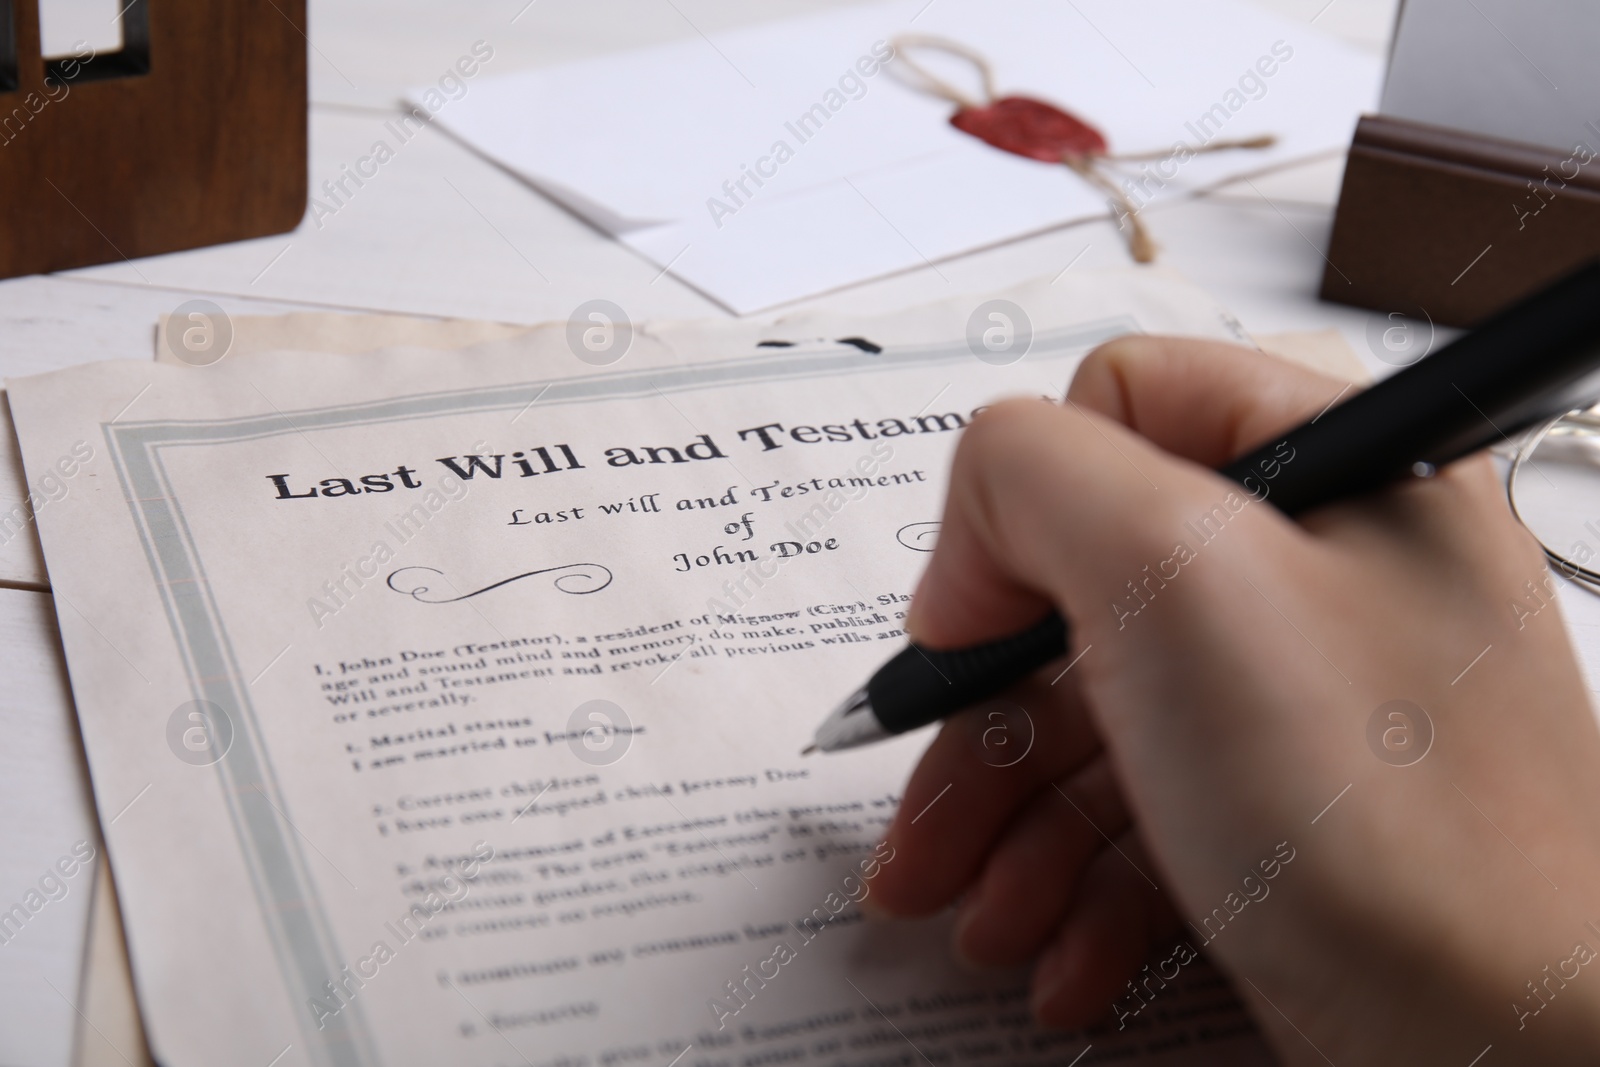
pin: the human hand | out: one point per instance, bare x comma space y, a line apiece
1226, 663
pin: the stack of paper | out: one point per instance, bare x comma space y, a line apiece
446, 706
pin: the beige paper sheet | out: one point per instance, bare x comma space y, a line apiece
21, 560
109, 1031
348, 334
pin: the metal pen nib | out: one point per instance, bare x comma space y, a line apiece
852, 724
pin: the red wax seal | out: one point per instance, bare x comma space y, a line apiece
1030, 128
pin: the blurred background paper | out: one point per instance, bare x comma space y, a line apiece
652, 145
1520, 70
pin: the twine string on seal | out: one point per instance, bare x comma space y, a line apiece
932, 83
1089, 163
1140, 244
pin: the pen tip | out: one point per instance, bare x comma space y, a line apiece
808, 750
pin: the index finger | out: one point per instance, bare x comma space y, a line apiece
967, 788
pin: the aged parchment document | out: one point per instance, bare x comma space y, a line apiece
445, 707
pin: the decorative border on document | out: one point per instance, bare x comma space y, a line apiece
297, 924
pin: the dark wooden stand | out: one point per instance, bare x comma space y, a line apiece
193, 134
1451, 226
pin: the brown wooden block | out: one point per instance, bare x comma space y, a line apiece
1453, 226
193, 134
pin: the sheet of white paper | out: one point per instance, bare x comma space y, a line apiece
406, 677
657, 145
47, 867
1520, 70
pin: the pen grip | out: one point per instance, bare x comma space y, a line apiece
919, 686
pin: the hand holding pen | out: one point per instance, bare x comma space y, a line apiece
1223, 731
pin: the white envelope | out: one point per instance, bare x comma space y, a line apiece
657, 146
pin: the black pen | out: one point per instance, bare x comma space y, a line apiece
1535, 361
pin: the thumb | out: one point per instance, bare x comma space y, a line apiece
1207, 401
1066, 505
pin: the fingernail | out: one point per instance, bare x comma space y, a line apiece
971, 911
872, 907
1049, 978
1041, 1001
913, 622
917, 610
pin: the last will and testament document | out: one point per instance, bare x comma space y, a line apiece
444, 707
